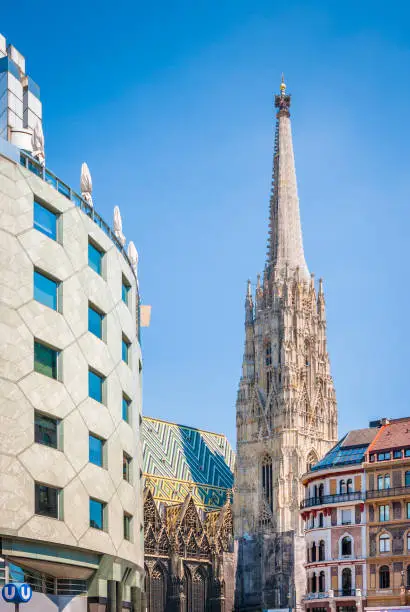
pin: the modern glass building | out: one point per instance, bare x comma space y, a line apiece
71, 520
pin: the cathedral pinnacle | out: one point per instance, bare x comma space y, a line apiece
285, 245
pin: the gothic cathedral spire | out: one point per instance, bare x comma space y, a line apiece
286, 410
285, 245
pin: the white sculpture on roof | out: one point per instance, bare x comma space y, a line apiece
133, 256
37, 143
118, 225
86, 184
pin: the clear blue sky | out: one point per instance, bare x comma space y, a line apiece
170, 104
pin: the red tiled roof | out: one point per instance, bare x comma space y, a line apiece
395, 434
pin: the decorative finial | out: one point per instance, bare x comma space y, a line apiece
249, 289
283, 85
282, 101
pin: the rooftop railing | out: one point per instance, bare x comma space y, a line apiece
373, 494
331, 499
29, 162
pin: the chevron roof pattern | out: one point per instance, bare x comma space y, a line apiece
178, 459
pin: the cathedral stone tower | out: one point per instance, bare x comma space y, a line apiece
286, 407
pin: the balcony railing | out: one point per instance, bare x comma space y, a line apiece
345, 593
373, 494
32, 164
323, 595
331, 499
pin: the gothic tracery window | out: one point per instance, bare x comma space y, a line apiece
267, 488
157, 584
198, 592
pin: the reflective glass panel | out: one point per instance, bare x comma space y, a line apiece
95, 386
125, 350
46, 500
45, 360
45, 290
45, 221
96, 450
95, 322
96, 514
125, 290
45, 430
125, 409
95, 258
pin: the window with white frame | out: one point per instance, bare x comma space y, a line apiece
346, 516
384, 543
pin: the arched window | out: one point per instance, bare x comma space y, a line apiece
321, 582
342, 486
387, 481
321, 490
157, 589
346, 546
346, 581
313, 551
321, 519
380, 482
384, 577
349, 485
321, 550
408, 576
198, 592
384, 543
314, 588
267, 488
311, 460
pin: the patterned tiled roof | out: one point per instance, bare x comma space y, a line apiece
178, 459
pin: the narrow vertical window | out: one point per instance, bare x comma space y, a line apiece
46, 430
46, 500
45, 221
126, 350
45, 360
95, 386
267, 486
95, 257
126, 467
126, 404
127, 526
95, 321
125, 290
96, 450
97, 511
46, 290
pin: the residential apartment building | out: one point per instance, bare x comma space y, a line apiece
357, 522
335, 528
387, 468
71, 520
